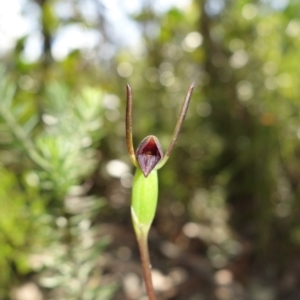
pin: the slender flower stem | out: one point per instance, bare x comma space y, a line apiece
146, 265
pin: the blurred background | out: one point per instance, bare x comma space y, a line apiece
228, 219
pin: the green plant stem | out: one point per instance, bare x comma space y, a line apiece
142, 239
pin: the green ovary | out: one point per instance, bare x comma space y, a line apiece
144, 200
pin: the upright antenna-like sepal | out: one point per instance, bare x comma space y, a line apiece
129, 126
179, 123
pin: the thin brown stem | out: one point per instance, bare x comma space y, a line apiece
129, 125
146, 265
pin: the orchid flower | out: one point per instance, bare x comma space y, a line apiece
148, 158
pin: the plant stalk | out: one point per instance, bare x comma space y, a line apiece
146, 265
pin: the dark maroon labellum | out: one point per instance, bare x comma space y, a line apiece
149, 153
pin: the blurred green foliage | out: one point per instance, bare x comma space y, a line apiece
234, 173
45, 156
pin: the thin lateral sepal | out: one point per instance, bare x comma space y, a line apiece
129, 126
178, 126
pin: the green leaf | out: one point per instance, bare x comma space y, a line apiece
31, 123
